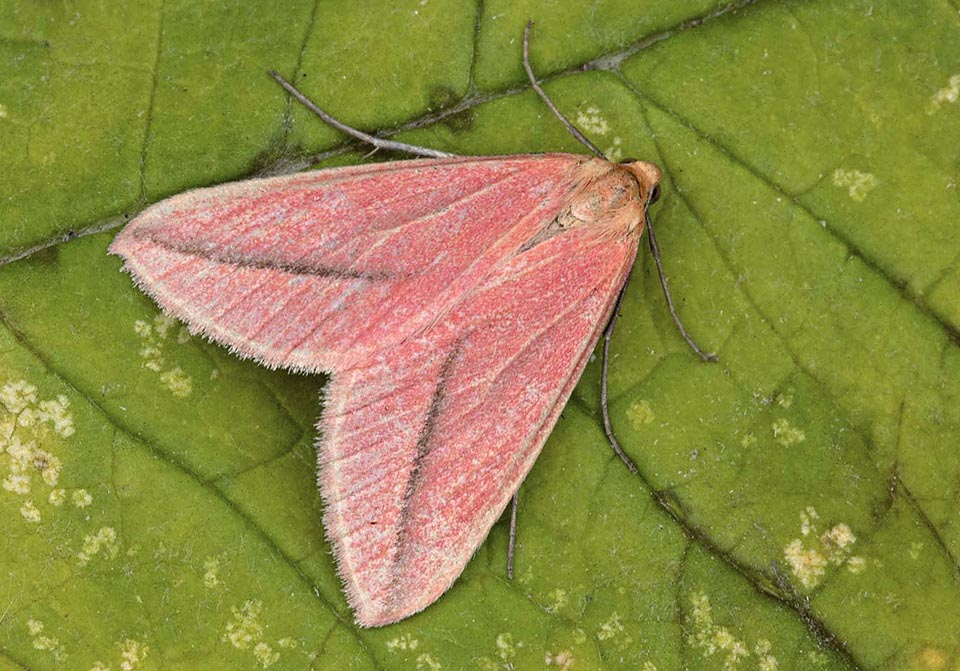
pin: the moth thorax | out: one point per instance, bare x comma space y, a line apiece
612, 199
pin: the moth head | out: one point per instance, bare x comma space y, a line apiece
648, 177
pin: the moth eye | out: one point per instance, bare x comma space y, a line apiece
655, 194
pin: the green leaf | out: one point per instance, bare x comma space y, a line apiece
797, 504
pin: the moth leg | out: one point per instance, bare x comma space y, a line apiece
378, 142
655, 249
513, 533
604, 407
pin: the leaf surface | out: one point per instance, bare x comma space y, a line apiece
798, 505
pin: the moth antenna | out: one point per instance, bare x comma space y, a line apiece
513, 534
655, 249
574, 131
377, 142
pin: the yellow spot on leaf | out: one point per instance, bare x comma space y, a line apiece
244, 629
41, 641
948, 94
785, 398
179, 383
81, 498
858, 184
786, 434
932, 659
612, 629
592, 122
30, 513
713, 639
265, 654
808, 521
505, 646
808, 559
57, 497
557, 599
856, 565
426, 662
562, 660
3, 111
16, 396
614, 152
245, 632
152, 342
807, 565
132, 654
26, 423
405, 643
211, 570
640, 413
105, 540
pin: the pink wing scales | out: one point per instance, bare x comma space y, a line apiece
423, 446
284, 269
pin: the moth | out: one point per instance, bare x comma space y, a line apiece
454, 300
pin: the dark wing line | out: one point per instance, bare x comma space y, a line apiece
260, 264
424, 444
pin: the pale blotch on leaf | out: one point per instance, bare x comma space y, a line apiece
405, 643
785, 398
579, 636
592, 122
640, 413
30, 427
808, 557
30, 513
916, 548
3, 111
595, 125
153, 336
932, 659
614, 152
714, 639
948, 94
786, 434
211, 572
81, 498
132, 654
244, 629
808, 520
748, 440
612, 630
856, 565
858, 184
244, 632
265, 654
41, 641
104, 541
562, 660
506, 650
556, 599
648, 666
426, 662
57, 497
